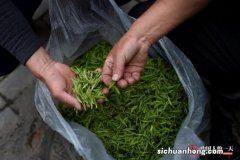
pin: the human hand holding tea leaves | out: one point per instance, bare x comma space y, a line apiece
88, 88
143, 118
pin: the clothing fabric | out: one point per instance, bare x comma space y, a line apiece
140, 8
122, 2
17, 39
211, 41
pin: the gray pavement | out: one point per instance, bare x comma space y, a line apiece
23, 134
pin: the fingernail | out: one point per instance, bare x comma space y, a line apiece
115, 77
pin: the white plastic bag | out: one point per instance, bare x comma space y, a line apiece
79, 24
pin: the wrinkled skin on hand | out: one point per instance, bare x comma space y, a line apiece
125, 62
57, 77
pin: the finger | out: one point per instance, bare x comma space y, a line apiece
118, 66
122, 83
68, 100
136, 76
69, 85
123, 53
107, 71
105, 91
65, 69
72, 75
128, 77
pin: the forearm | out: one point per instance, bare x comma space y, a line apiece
162, 17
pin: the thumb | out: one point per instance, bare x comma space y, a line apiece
118, 67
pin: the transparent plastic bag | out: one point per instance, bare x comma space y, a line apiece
79, 24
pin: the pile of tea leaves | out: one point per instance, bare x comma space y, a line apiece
134, 122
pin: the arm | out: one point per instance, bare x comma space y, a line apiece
162, 17
18, 38
126, 60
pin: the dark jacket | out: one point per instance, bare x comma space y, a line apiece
16, 34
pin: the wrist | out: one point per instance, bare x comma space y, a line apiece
141, 35
39, 62
140, 39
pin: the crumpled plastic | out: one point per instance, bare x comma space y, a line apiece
76, 25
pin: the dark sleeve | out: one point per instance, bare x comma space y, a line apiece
16, 34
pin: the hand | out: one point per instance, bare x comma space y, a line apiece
125, 61
128, 57
57, 77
